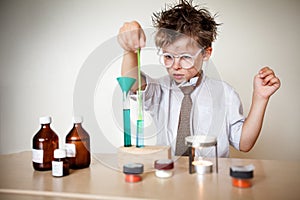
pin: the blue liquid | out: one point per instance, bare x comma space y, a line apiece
140, 133
127, 129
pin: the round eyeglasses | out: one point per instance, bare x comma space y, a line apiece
186, 61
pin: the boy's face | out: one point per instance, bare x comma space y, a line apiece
179, 47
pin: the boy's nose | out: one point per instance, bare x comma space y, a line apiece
176, 64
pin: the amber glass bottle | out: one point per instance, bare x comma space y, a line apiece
78, 146
44, 142
60, 164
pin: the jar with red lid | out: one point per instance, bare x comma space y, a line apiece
164, 168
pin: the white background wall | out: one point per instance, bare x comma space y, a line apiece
44, 44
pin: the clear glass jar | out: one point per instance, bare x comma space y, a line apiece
164, 168
242, 176
133, 172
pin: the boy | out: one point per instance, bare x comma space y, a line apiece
184, 37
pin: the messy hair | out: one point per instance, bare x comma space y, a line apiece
185, 19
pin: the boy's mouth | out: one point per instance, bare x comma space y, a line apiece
178, 76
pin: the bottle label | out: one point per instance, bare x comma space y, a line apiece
71, 150
37, 155
57, 168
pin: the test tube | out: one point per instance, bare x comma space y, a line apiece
140, 102
140, 120
126, 84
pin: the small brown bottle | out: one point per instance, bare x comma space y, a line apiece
78, 146
44, 143
60, 165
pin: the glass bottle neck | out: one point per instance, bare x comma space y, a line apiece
46, 126
77, 124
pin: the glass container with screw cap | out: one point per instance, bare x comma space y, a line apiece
164, 168
133, 172
44, 142
78, 145
242, 175
60, 165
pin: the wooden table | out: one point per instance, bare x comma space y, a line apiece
273, 179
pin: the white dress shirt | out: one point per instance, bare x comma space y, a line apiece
216, 111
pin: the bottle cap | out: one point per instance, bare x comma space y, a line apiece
242, 172
45, 120
133, 168
60, 153
77, 119
164, 164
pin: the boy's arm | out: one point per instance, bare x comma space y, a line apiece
265, 84
129, 69
131, 37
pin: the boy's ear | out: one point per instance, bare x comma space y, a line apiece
207, 53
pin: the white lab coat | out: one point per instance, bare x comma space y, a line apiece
216, 111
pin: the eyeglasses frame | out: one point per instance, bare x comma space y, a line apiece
160, 54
